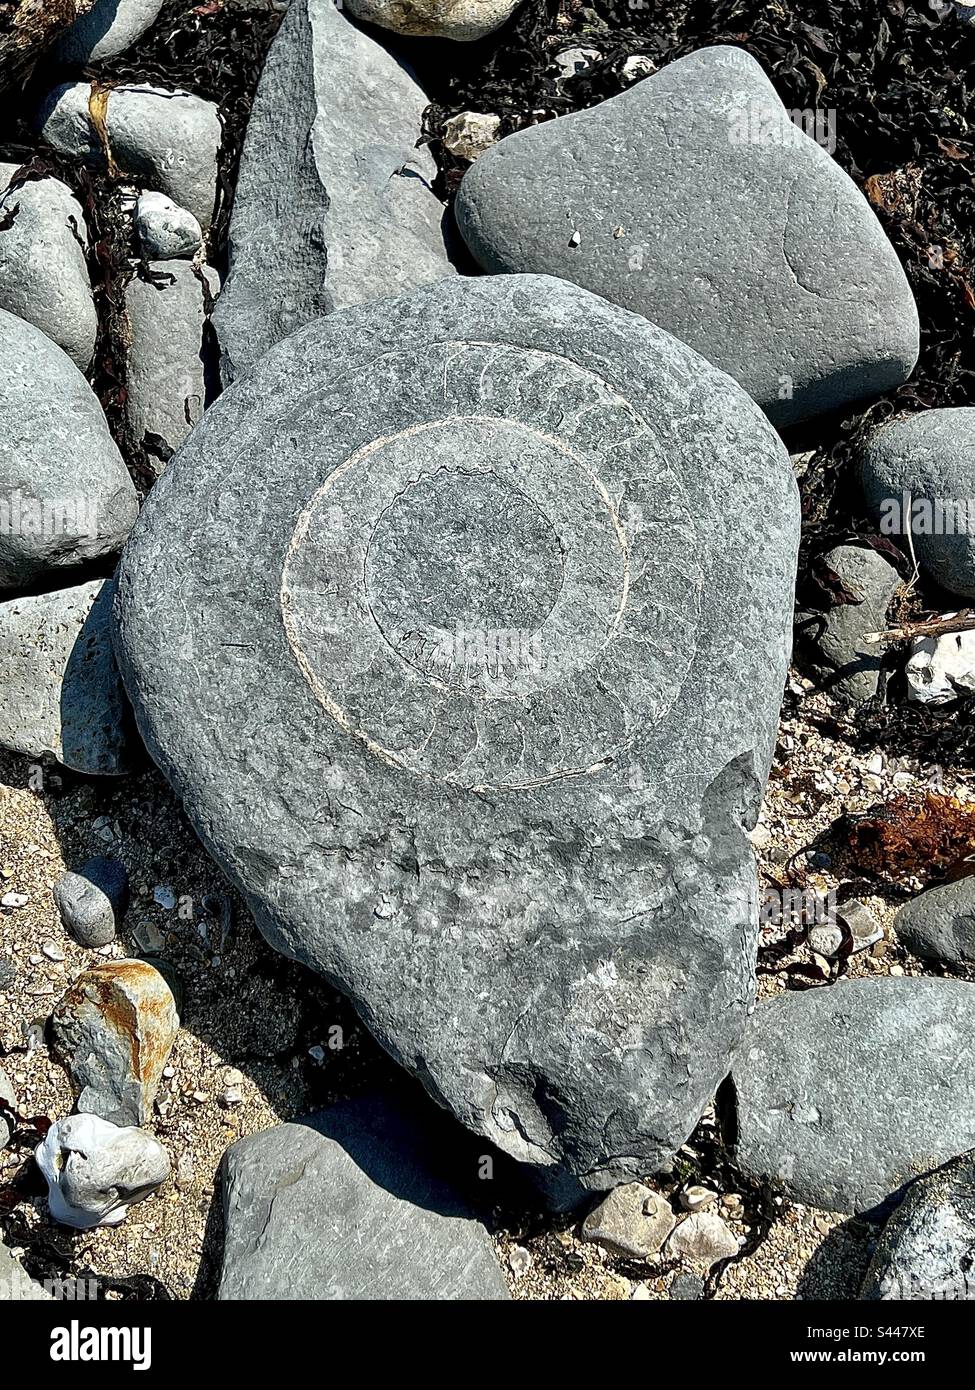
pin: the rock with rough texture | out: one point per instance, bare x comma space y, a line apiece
927, 1248
161, 138
16, 1285
919, 476
470, 133
632, 1222
114, 1030
43, 270
165, 231
843, 661
941, 669
91, 902
461, 20
65, 495
939, 925
109, 27
703, 1239
791, 286
354, 1203
60, 692
847, 1092
460, 625
96, 1170
170, 377
333, 203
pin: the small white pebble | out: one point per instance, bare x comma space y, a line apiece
14, 900
519, 1261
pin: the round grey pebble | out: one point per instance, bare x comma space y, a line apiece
92, 901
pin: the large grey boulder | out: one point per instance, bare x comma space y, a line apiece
847, 1092
43, 270
169, 375
838, 652
919, 477
333, 203
939, 925
460, 20
354, 1203
60, 692
927, 1249
162, 138
66, 497
787, 282
109, 27
460, 625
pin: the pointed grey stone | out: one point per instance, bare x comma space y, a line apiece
927, 1248
928, 460
333, 203
353, 1203
161, 137
788, 283
43, 271
847, 1092
66, 497
60, 691
461, 624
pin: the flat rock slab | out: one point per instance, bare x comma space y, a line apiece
333, 203
351, 1204
939, 925
927, 1249
43, 270
846, 1093
66, 497
460, 625
170, 377
163, 138
60, 692
923, 467
693, 199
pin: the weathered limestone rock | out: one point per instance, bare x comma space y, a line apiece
114, 1030
95, 1170
460, 626
927, 1249
351, 1204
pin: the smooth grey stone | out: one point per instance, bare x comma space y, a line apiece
16, 1285
43, 270
163, 138
109, 27
96, 1170
382, 600
169, 376
927, 1248
353, 1203
65, 495
333, 203
846, 664
461, 20
60, 692
165, 231
927, 458
92, 901
939, 925
846, 1092
758, 252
